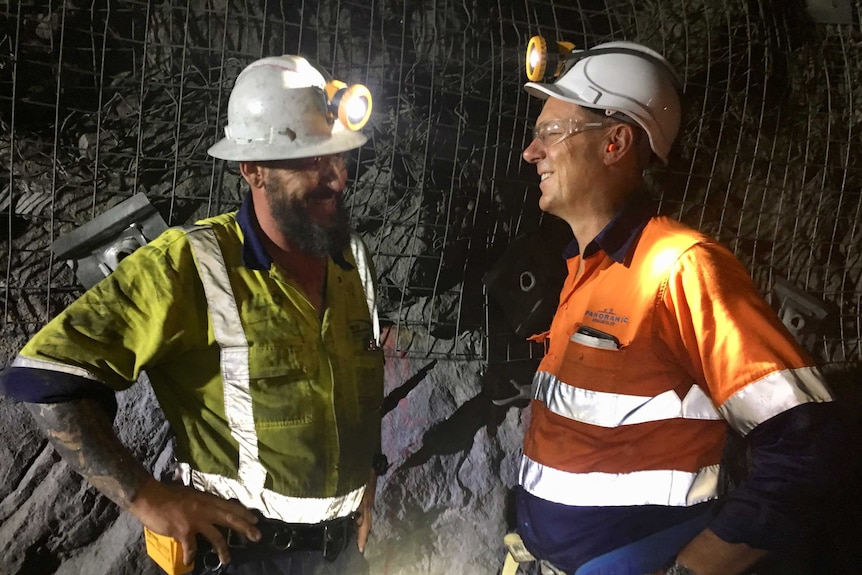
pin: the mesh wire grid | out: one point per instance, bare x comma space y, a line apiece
105, 99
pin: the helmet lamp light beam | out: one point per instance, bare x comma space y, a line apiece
538, 58
350, 104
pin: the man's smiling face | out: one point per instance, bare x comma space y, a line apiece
565, 166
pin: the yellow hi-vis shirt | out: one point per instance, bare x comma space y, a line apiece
270, 404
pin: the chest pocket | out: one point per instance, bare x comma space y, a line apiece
281, 383
358, 365
589, 367
369, 378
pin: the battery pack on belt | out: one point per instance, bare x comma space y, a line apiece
166, 552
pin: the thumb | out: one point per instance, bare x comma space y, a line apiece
189, 547
362, 529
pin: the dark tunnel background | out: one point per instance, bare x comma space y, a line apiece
106, 99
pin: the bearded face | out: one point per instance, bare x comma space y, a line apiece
311, 217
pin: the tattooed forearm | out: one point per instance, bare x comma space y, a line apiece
83, 435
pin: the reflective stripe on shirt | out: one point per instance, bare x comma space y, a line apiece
773, 394
21, 361
230, 337
615, 409
271, 504
367, 278
651, 487
671, 487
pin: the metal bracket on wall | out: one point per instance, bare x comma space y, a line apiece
526, 282
802, 313
95, 249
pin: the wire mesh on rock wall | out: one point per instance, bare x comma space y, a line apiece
104, 99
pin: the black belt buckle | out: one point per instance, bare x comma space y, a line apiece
336, 536
283, 539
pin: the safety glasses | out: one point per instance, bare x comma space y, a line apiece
552, 132
313, 163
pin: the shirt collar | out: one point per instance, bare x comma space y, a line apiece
617, 236
254, 255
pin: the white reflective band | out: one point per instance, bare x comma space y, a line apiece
614, 409
361, 256
654, 487
21, 361
272, 504
774, 394
230, 337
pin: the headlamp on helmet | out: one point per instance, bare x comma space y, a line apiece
623, 80
286, 107
538, 58
350, 104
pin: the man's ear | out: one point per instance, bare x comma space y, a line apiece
253, 173
620, 141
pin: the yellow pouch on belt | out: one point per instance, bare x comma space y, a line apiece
166, 552
517, 554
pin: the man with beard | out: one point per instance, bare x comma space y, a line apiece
258, 332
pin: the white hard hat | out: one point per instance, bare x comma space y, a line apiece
278, 110
626, 78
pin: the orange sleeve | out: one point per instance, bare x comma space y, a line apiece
716, 323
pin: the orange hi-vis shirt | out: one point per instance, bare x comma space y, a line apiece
636, 413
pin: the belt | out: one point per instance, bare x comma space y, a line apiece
329, 537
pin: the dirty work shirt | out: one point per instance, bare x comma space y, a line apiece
315, 385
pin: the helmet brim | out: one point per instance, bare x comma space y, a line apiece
228, 149
545, 91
